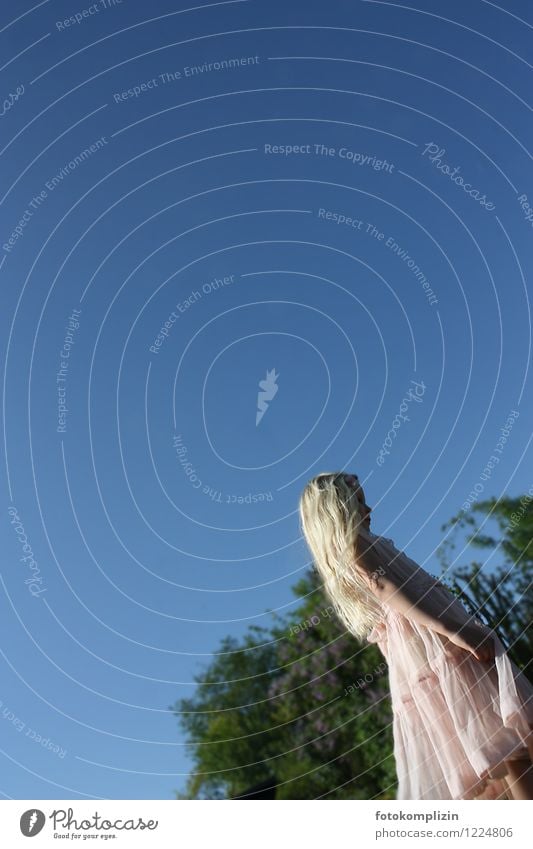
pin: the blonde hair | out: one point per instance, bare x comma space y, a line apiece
329, 520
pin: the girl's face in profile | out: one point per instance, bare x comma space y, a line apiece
353, 481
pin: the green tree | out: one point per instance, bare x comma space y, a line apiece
301, 701
502, 597
228, 720
333, 699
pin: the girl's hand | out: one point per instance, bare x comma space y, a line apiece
477, 639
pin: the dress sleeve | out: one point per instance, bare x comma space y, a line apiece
400, 583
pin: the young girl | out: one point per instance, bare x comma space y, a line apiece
462, 710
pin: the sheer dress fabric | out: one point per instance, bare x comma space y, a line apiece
455, 719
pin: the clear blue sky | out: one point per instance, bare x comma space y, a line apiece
130, 183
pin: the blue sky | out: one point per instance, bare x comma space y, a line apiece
292, 210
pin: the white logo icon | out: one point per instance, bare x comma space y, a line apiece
268, 385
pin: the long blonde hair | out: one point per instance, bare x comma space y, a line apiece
329, 520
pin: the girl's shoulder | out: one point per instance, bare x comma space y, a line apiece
388, 540
404, 567
379, 536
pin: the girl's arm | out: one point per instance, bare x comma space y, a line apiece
412, 592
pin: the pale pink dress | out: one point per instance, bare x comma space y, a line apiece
455, 719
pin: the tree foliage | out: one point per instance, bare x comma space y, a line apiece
501, 592
292, 702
